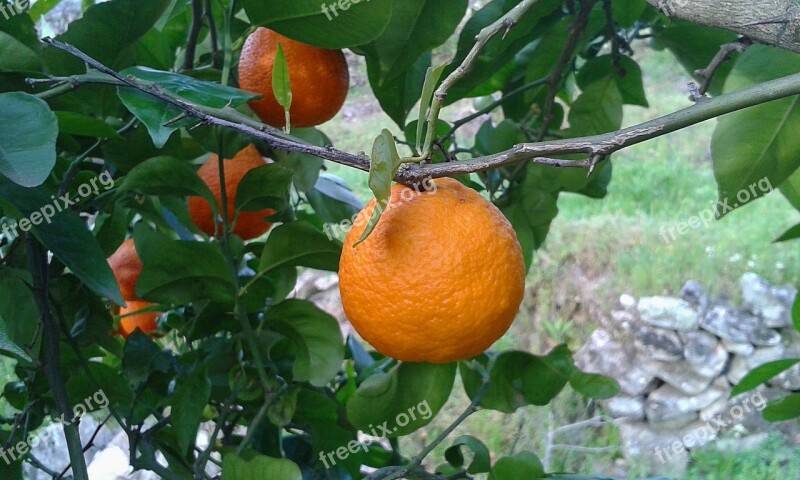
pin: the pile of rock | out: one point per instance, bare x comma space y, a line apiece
676, 360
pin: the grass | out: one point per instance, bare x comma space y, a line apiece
598, 249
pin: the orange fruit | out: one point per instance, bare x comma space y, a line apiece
248, 224
126, 266
319, 79
145, 321
440, 278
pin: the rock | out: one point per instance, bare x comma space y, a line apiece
662, 417
735, 446
699, 347
738, 369
667, 312
695, 295
714, 410
603, 354
773, 304
764, 355
714, 363
676, 401
627, 301
738, 348
764, 337
787, 379
659, 453
722, 322
658, 343
679, 376
630, 408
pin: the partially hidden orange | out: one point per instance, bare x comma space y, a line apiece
249, 225
319, 79
144, 321
440, 278
127, 267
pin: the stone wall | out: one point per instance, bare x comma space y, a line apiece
676, 360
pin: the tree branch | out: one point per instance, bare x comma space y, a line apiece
774, 22
540, 152
724, 54
194, 34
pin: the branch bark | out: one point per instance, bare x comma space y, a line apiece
774, 22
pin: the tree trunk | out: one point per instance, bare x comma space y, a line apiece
774, 22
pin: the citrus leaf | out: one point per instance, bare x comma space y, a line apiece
796, 313
593, 385
791, 234
171, 271
786, 408
755, 149
403, 400
626, 74
334, 201
627, 12
28, 131
19, 45
398, 95
191, 396
384, 163
327, 24
791, 189
299, 244
315, 337
281, 84
162, 119
597, 110
66, 235
74, 123
305, 168
264, 187
762, 374
481, 458
431, 80
166, 176
520, 465
259, 467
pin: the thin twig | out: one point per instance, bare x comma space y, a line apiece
36, 463
723, 55
194, 34
216, 58
86, 447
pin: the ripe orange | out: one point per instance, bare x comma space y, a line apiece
126, 266
319, 79
248, 224
145, 321
439, 279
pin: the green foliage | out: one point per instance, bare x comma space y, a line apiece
26, 159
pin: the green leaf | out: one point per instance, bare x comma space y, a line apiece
383, 165
481, 458
627, 12
431, 80
163, 119
593, 385
520, 465
401, 401
28, 131
398, 95
19, 45
259, 467
9, 348
516, 379
74, 123
166, 176
98, 34
530, 212
323, 24
627, 75
264, 187
142, 356
501, 49
171, 271
755, 150
299, 244
796, 313
694, 46
762, 374
281, 84
41, 7
786, 408
19, 313
315, 337
791, 234
65, 234
598, 109
191, 396
791, 189
305, 168
333, 200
